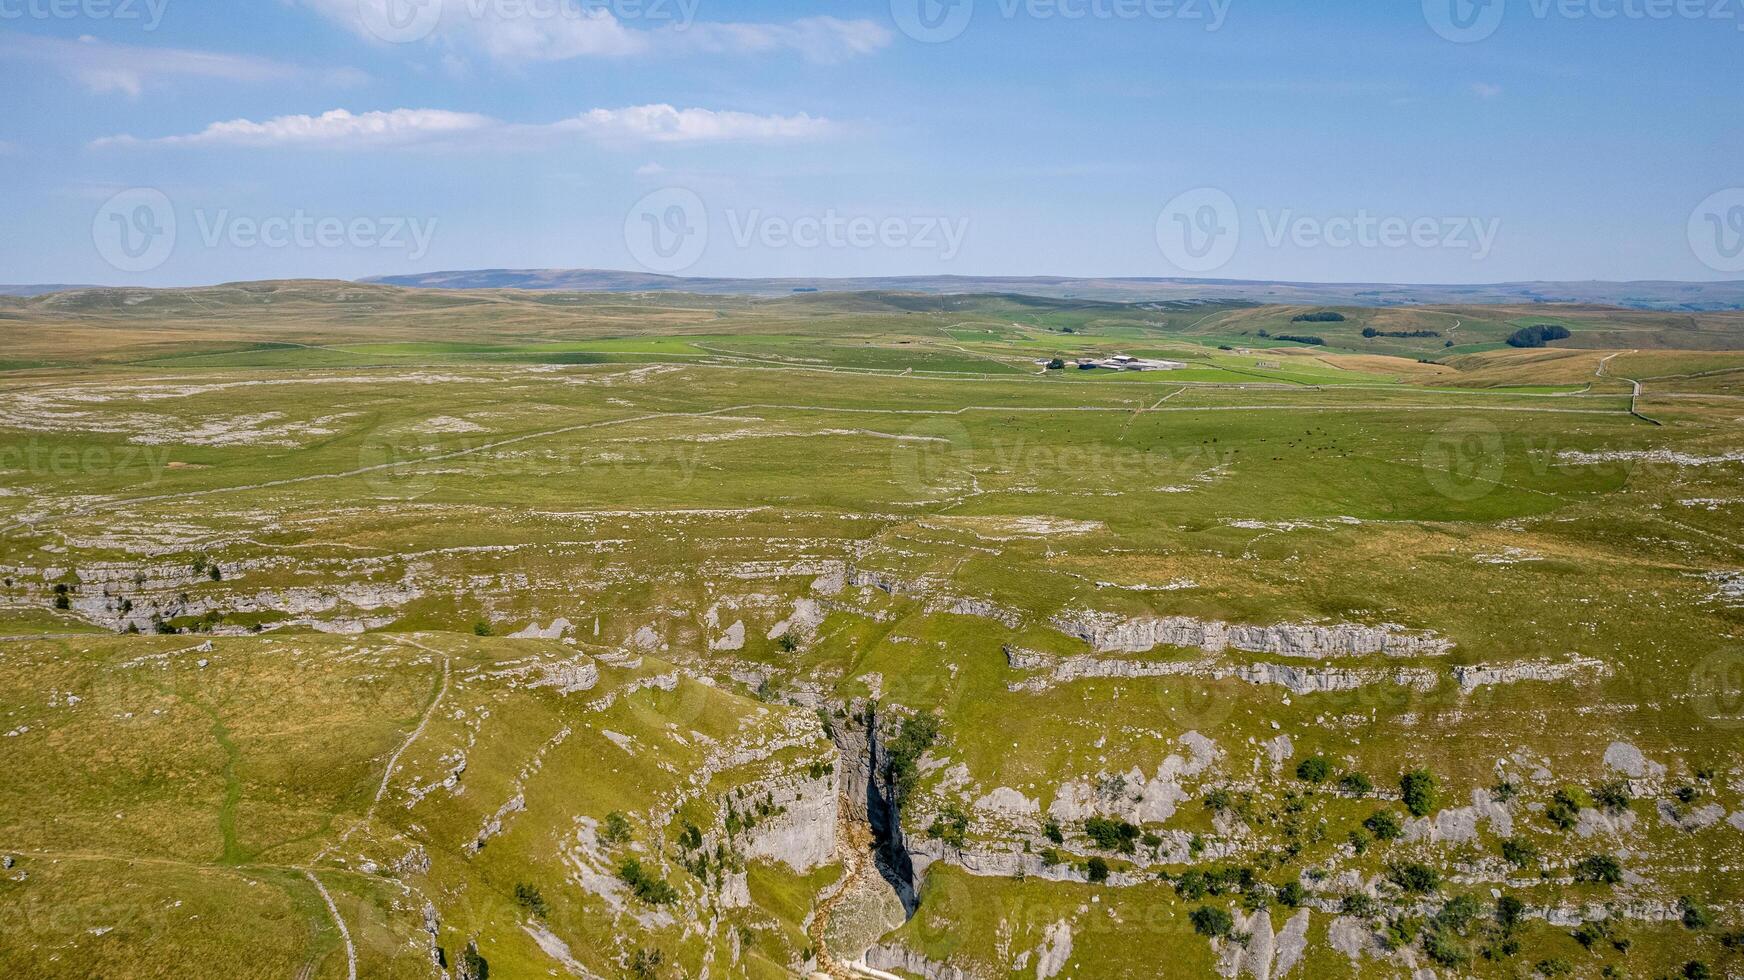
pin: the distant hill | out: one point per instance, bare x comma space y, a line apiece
38, 290
1645, 295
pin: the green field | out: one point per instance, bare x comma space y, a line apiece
267, 547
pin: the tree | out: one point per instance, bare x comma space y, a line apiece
1519, 853
1314, 769
1418, 788
1695, 917
1051, 830
1356, 784
1415, 878
528, 897
1509, 911
1112, 835
1214, 922
1385, 825
1097, 870
481, 628
1613, 797
1538, 336
1057, 364
1601, 869
918, 734
1292, 894
617, 828
951, 826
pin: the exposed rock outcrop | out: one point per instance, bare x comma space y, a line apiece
1113, 634
1575, 669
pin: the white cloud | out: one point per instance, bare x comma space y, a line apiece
340, 129
1485, 90
521, 31
104, 68
665, 124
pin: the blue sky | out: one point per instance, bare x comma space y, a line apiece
775, 138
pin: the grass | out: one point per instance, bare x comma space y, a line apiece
425, 463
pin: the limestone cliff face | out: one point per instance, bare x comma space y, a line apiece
894, 957
802, 834
1298, 680
1112, 634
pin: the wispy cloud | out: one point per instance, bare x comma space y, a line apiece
1485, 90
105, 68
516, 31
396, 128
665, 124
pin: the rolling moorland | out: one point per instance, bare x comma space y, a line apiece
1647, 295
360, 631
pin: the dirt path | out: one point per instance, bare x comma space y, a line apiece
394, 760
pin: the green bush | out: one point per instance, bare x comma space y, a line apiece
1112, 835
616, 829
1385, 825
918, 734
1214, 922
528, 897
1519, 853
1414, 878
1418, 789
1314, 770
1599, 869
1356, 784
951, 826
1097, 870
654, 891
